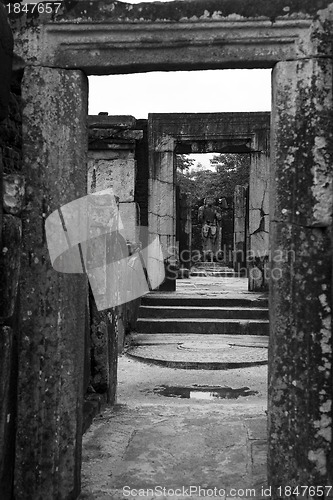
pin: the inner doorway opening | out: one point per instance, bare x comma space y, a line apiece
207, 203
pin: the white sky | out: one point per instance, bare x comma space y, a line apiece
181, 92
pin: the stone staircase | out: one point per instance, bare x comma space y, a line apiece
161, 313
214, 269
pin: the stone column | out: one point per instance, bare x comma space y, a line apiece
258, 254
49, 423
240, 207
300, 353
162, 207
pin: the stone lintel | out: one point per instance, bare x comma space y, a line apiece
114, 134
111, 122
168, 131
106, 154
106, 48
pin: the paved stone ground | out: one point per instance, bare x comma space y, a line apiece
149, 441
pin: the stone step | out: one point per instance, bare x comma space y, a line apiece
155, 312
204, 326
203, 301
214, 273
211, 265
209, 341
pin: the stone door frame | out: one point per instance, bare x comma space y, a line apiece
172, 133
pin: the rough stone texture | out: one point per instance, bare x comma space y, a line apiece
10, 264
300, 375
11, 133
13, 193
213, 9
240, 208
53, 305
104, 349
304, 191
129, 216
116, 174
6, 55
8, 374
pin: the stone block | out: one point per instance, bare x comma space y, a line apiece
13, 193
259, 182
118, 174
239, 226
106, 121
255, 220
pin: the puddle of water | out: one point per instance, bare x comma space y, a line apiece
207, 393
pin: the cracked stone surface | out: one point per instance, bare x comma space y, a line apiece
147, 440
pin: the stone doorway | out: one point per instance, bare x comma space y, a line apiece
225, 177
172, 134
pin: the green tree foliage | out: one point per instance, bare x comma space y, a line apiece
230, 170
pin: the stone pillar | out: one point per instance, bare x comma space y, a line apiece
185, 236
162, 206
240, 207
300, 352
50, 389
258, 255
